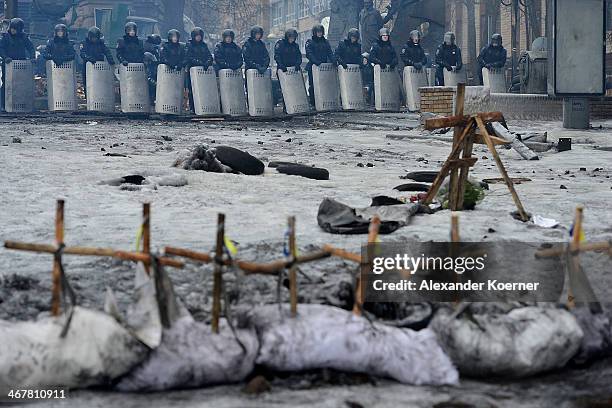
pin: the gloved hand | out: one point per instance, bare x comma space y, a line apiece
298, 68
392, 66
177, 67
58, 61
282, 68
344, 65
317, 64
489, 66
418, 66
383, 66
8, 60
448, 67
205, 67
261, 69
455, 69
125, 63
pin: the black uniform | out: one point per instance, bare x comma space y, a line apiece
349, 52
383, 53
15, 47
197, 54
227, 55
151, 63
129, 48
255, 53
318, 51
93, 49
172, 54
367, 75
59, 49
413, 55
288, 54
153, 44
447, 56
493, 55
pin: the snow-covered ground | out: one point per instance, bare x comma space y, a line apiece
63, 157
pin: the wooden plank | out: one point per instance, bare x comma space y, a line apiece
502, 169
497, 141
218, 273
435, 186
558, 251
454, 187
452, 121
520, 147
372, 238
293, 269
146, 232
86, 251
56, 289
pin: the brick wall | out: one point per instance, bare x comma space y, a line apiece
440, 100
437, 99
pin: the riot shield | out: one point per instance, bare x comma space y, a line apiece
61, 86
100, 87
231, 87
205, 91
169, 90
386, 89
452, 78
413, 80
134, 88
351, 87
19, 86
494, 79
294, 91
326, 89
259, 93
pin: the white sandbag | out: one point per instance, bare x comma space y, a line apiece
329, 337
190, 355
522, 342
95, 351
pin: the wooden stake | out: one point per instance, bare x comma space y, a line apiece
146, 231
588, 246
455, 227
218, 273
575, 254
293, 269
454, 176
502, 169
59, 240
372, 237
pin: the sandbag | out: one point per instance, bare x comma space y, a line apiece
329, 337
96, 351
190, 356
597, 339
522, 342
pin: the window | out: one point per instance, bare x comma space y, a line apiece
304, 8
320, 6
290, 10
277, 14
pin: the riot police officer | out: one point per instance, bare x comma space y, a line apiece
287, 51
59, 49
151, 62
197, 54
349, 50
129, 48
367, 76
448, 56
153, 44
318, 51
493, 55
172, 52
228, 54
412, 54
93, 49
15, 45
382, 52
254, 51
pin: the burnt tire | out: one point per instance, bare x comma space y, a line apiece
239, 161
314, 173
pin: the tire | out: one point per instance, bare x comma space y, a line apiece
239, 161
412, 187
304, 171
422, 176
275, 164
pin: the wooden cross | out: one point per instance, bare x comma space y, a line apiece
470, 129
56, 289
